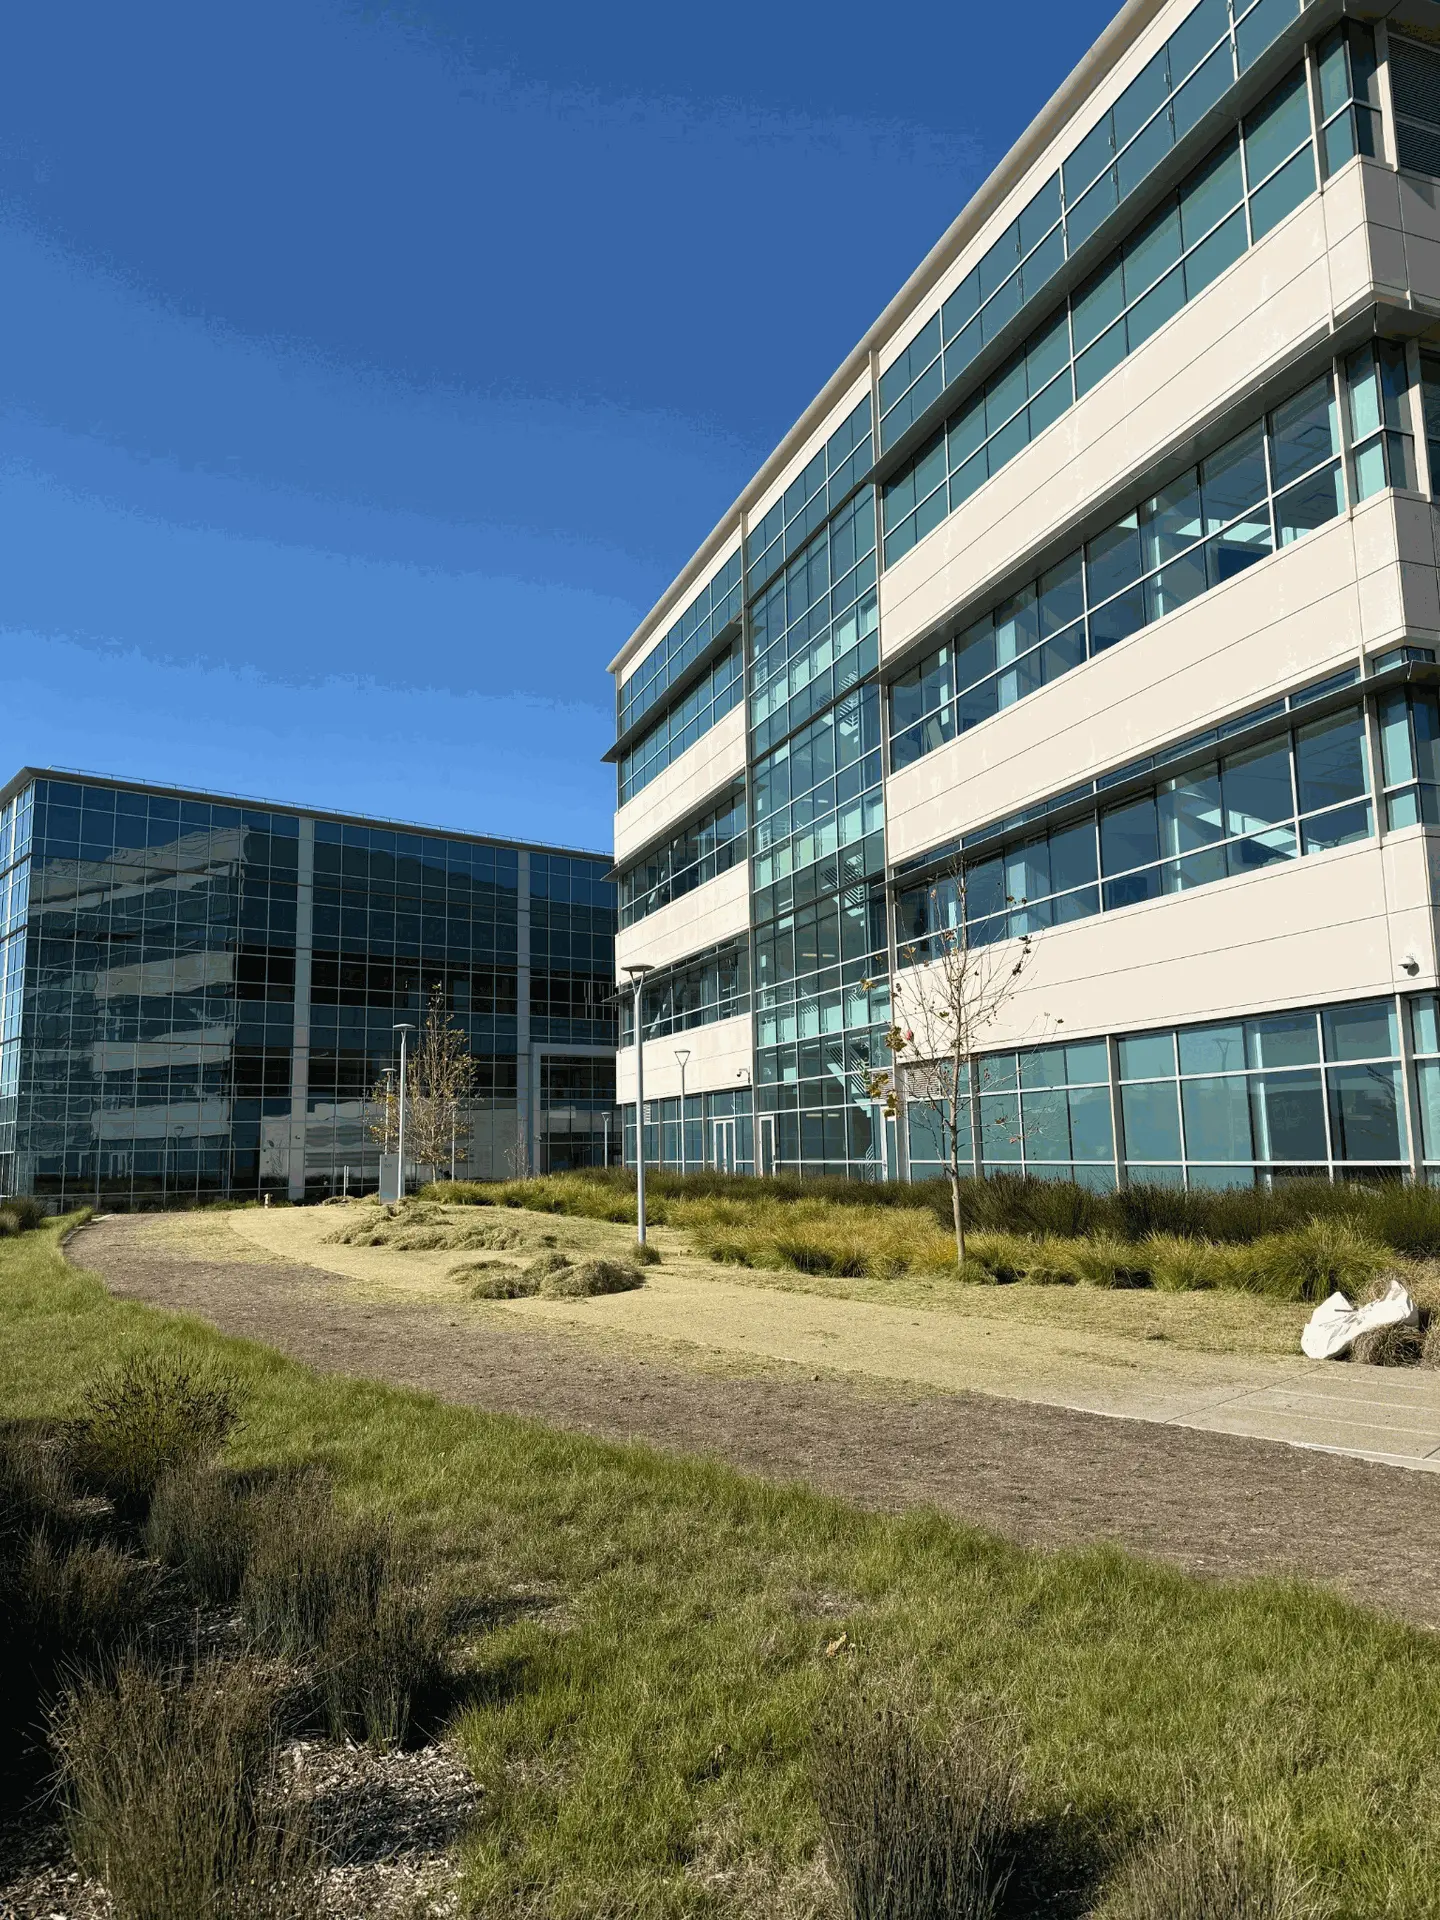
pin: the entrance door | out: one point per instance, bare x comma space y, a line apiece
724, 1144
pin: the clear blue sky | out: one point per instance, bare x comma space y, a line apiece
367, 370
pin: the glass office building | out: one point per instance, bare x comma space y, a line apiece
198, 994
1095, 603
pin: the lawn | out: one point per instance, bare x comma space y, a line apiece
674, 1632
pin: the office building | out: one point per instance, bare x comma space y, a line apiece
1103, 574
198, 994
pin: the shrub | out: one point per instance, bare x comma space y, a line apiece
20, 1214
1181, 1265
1209, 1869
83, 1600
173, 1797
202, 1522
918, 1825
150, 1416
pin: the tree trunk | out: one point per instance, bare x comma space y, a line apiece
959, 1221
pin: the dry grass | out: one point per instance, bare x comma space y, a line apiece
1209, 1867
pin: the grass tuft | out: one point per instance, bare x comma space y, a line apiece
202, 1523
173, 1796
147, 1417
919, 1824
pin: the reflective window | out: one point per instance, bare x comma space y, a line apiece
1275, 481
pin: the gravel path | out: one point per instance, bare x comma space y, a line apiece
1041, 1475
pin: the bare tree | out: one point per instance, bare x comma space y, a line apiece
946, 1003
440, 1072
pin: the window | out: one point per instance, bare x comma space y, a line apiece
703, 849
1243, 188
1410, 757
1305, 791
1377, 387
710, 986
706, 617
1272, 484
1415, 91
686, 722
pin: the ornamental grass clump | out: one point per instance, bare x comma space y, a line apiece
149, 1416
920, 1822
333, 1594
173, 1795
202, 1523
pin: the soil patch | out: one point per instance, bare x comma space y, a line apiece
1042, 1475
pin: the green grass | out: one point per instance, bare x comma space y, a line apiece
645, 1713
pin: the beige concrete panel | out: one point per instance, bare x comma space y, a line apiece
1291, 617
1381, 189
719, 1062
714, 912
841, 411
669, 610
716, 759
1241, 946
1419, 203
1253, 318
1419, 597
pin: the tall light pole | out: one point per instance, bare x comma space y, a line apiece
637, 975
682, 1054
402, 1027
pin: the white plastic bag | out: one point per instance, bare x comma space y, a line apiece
1335, 1323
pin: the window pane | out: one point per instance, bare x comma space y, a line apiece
1340, 827
1147, 1056
1212, 1049
1152, 252
1047, 1125
1257, 788
1217, 1119
1117, 619
1330, 761
1305, 431
1099, 302
1112, 559
1276, 127
1365, 1118
1061, 595
1366, 1032
1087, 1060
1214, 254
1288, 1116
1129, 836
1072, 857
1211, 192
1287, 1040
1171, 520
1190, 813
1090, 1134
1293, 183
1233, 479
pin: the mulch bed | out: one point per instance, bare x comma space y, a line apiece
1043, 1476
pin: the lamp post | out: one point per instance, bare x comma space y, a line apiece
682, 1054
637, 974
402, 1027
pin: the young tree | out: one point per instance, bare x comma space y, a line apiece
440, 1074
947, 1001
382, 1113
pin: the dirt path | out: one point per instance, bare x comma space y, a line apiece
1042, 1475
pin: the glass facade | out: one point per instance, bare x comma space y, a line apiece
199, 994
700, 851
1319, 1092
1304, 790
1278, 480
1243, 188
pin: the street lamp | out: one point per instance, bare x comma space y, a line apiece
682, 1054
402, 1027
637, 974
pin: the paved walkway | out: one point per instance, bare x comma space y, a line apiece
1375, 1413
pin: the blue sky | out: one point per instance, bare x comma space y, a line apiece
366, 371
